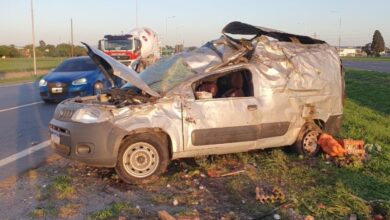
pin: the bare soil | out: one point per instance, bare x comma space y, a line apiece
184, 191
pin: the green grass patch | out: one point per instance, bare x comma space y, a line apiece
26, 64
369, 89
367, 59
20, 79
111, 211
62, 186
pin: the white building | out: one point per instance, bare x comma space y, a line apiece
350, 52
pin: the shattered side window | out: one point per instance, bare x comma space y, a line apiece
166, 74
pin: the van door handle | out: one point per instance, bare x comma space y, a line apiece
252, 107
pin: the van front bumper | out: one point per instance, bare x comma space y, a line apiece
93, 144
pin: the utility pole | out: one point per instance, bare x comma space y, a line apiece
166, 28
339, 35
71, 38
33, 38
136, 13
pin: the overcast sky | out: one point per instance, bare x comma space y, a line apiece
195, 22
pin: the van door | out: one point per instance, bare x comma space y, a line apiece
227, 122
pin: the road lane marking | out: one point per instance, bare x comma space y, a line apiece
20, 106
24, 153
19, 84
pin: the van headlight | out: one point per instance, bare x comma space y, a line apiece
42, 82
91, 115
80, 81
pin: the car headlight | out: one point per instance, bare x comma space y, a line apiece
91, 115
42, 82
80, 81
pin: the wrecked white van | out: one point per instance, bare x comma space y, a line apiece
230, 95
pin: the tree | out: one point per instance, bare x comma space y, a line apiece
50, 50
63, 50
42, 44
367, 49
378, 44
9, 51
80, 51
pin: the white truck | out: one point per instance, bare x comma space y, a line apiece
138, 49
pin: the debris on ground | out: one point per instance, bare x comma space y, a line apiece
233, 173
272, 196
217, 173
164, 215
330, 145
343, 152
353, 217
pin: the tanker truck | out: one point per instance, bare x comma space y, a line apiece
138, 49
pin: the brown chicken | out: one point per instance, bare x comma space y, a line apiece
331, 146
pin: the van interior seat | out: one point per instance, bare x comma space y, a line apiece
236, 84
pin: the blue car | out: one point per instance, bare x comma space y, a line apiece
78, 76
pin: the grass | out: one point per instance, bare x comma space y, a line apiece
369, 89
111, 211
313, 186
62, 186
367, 59
26, 64
20, 79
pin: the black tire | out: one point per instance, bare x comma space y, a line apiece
306, 143
151, 149
48, 101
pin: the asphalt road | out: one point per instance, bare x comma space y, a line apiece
368, 65
24, 122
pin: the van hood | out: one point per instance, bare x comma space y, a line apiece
111, 67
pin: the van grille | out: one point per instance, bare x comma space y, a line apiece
64, 113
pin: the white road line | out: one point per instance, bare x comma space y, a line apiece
19, 84
20, 106
24, 153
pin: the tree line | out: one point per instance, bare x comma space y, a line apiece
43, 50
376, 47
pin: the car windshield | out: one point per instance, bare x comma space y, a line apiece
118, 44
165, 74
75, 65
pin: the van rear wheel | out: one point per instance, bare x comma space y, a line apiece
142, 158
306, 143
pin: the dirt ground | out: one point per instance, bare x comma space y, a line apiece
61, 189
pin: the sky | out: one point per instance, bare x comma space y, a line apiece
192, 22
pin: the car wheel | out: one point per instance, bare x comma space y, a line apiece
306, 143
142, 158
98, 88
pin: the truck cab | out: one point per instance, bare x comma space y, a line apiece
124, 48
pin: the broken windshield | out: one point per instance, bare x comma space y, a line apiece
166, 74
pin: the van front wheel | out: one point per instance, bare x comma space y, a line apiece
306, 143
142, 158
